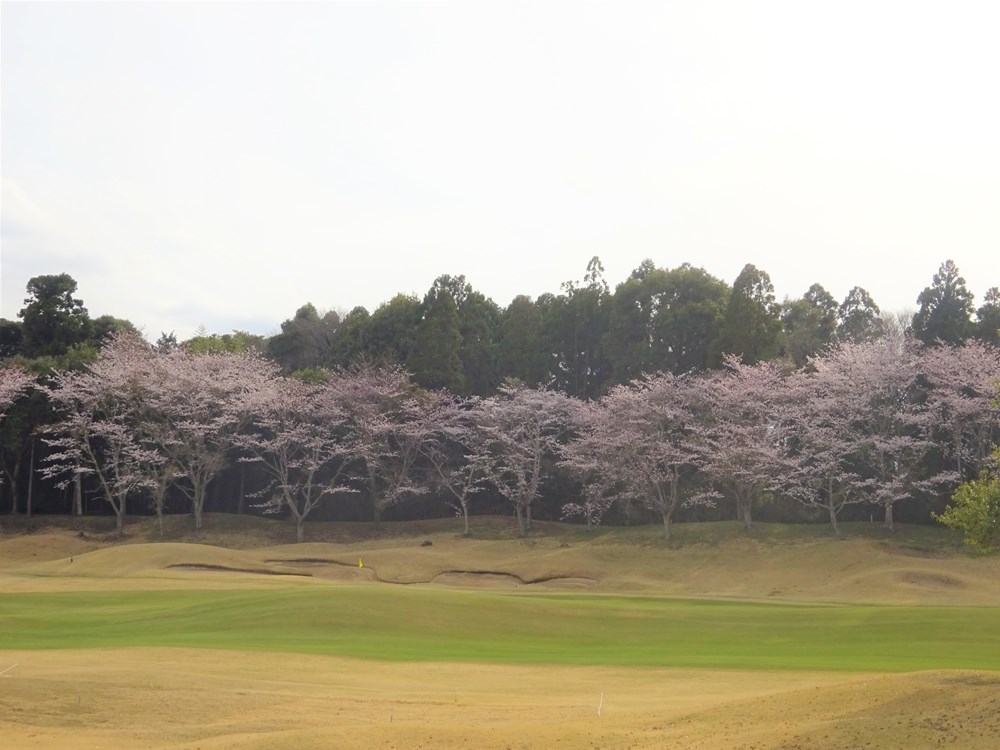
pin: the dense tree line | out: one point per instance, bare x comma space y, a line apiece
582, 341
676, 394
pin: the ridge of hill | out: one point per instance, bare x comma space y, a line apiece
771, 562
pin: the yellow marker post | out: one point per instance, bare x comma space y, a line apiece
360, 564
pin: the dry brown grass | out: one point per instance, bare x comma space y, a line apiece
180, 699
187, 699
815, 569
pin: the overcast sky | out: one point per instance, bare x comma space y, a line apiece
220, 164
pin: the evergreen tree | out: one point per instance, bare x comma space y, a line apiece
392, 330
521, 353
988, 318
690, 317
808, 324
306, 341
860, 318
101, 328
479, 324
53, 320
575, 325
945, 312
663, 321
351, 343
752, 324
11, 338
434, 360
631, 340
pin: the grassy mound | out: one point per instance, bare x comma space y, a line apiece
773, 562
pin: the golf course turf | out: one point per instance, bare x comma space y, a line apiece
233, 639
411, 624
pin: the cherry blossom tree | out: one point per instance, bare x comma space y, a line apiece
821, 414
893, 427
597, 498
525, 429
298, 435
961, 397
388, 422
459, 456
639, 442
196, 405
13, 383
741, 431
95, 436
160, 477
584, 458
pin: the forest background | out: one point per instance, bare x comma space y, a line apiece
586, 342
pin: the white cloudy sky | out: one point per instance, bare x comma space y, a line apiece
220, 164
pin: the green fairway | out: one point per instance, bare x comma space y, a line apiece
425, 624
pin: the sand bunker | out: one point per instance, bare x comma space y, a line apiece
463, 578
500, 579
930, 580
227, 569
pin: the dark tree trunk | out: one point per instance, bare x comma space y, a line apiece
833, 519
12, 480
745, 507
197, 504
31, 475
832, 507
120, 518
239, 500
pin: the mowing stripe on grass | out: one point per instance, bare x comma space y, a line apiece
425, 624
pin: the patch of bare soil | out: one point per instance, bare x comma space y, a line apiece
183, 699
